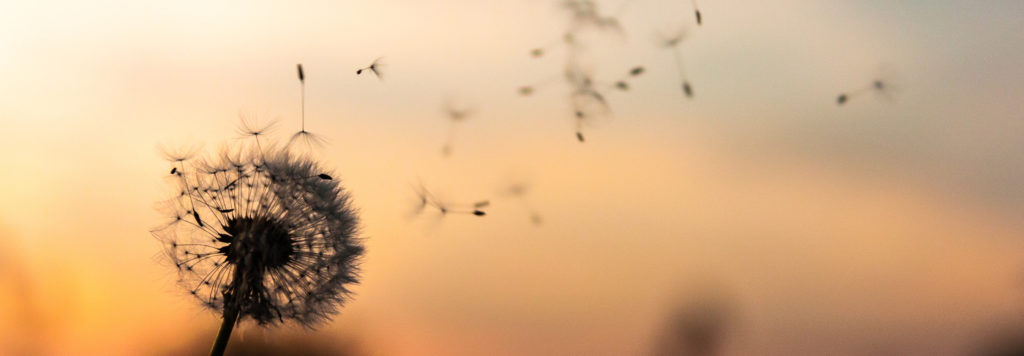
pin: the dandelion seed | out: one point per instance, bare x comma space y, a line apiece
536, 219
519, 192
425, 200
174, 170
309, 139
376, 67
586, 13
249, 126
623, 84
588, 103
881, 86
455, 116
672, 42
179, 154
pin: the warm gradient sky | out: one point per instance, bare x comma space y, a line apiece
877, 227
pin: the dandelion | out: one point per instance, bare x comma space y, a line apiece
376, 67
262, 235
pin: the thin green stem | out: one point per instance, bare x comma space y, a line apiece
221, 343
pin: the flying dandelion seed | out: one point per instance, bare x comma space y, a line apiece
587, 101
262, 235
528, 90
250, 127
425, 199
623, 83
308, 138
881, 86
519, 192
376, 67
673, 43
696, 12
455, 115
586, 96
586, 13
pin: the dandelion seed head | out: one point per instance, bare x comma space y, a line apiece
267, 233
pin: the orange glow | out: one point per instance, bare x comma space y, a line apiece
874, 228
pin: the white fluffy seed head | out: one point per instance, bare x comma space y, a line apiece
270, 234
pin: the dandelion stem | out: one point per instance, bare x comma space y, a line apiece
221, 343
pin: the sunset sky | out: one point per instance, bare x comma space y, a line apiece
888, 225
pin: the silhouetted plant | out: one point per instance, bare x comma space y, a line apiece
260, 233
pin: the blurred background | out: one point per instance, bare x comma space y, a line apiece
757, 218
